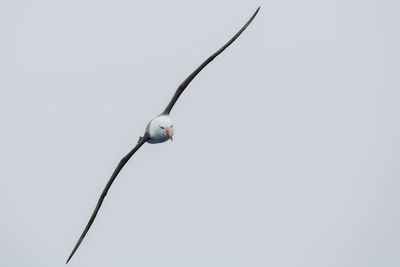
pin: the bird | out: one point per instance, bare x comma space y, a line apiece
160, 129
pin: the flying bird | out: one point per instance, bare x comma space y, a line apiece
158, 130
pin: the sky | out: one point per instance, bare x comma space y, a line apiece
286, 148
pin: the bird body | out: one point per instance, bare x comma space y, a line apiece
158, 130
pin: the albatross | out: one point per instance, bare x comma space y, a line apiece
158, 130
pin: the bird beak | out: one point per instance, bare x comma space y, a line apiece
169, 134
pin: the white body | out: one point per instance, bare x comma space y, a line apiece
157, 129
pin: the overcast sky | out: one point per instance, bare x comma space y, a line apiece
286, 149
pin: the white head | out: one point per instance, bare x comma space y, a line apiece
160, 129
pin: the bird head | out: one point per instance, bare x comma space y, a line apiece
168, 130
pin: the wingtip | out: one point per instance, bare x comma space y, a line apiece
70, 256
255, 13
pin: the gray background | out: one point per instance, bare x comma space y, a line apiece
293, 161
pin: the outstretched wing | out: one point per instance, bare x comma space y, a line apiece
121, 164
186, 82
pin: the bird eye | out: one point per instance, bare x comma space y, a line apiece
162, 127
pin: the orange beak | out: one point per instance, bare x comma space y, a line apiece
169, 134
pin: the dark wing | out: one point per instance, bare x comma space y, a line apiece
186, 82
121, 164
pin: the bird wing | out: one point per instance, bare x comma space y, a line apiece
121, 164
186, 82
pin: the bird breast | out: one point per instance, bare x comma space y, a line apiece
156, 129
